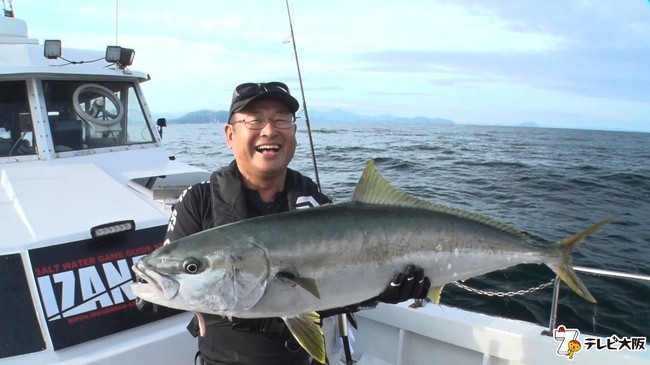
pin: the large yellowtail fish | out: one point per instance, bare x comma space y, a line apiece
293, 264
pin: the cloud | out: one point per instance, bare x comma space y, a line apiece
554, 58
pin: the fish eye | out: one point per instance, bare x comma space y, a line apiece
191, 266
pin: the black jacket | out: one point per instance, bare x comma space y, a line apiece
222, 200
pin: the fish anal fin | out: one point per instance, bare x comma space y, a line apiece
306, 329
308, 284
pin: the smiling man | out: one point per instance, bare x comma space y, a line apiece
262, 135
261, 132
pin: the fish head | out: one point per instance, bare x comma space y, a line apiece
212, 280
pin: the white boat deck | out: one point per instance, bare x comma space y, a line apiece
399, 335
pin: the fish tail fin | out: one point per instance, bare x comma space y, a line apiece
564, 269
568, 275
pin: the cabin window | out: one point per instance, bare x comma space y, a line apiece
16, 133
87, 115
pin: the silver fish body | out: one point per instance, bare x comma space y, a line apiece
298, 262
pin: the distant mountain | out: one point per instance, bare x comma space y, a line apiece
528, 124
202, 116
338, 115
211, 116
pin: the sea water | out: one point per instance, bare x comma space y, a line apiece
549, 183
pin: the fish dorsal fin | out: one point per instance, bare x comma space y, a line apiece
373, 188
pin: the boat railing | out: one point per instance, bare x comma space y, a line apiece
556, 289
588, 271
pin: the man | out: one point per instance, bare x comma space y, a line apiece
261, 133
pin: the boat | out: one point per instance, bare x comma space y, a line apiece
87, 188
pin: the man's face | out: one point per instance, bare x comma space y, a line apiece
264, 152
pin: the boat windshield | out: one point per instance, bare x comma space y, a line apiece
16, 136
81, 115
86, 115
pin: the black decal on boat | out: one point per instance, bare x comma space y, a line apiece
84, 285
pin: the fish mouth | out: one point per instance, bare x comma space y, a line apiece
150, 284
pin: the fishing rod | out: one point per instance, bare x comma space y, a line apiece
304, 103
342, 319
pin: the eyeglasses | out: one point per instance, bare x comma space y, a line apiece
258, 123
249, 89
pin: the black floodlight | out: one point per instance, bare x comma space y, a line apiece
126, 57
123, 57
113, 54
52, 49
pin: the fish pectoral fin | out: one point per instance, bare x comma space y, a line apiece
308, 284
435, 293
307, 331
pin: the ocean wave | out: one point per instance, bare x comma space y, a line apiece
493, 164
630, 179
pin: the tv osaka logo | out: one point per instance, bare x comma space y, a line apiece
570, 344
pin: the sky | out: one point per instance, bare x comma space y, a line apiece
557, 63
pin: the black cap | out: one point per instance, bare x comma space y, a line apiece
248, 92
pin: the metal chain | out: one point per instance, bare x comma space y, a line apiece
503, 294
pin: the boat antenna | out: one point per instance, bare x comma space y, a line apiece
304, 103
117, 5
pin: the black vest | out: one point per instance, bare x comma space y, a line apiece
229, 202
227, 340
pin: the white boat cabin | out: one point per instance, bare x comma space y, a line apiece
86, 188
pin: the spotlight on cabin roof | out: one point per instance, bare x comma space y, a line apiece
52, 49
123, 57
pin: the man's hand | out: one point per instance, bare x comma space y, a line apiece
410, 284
